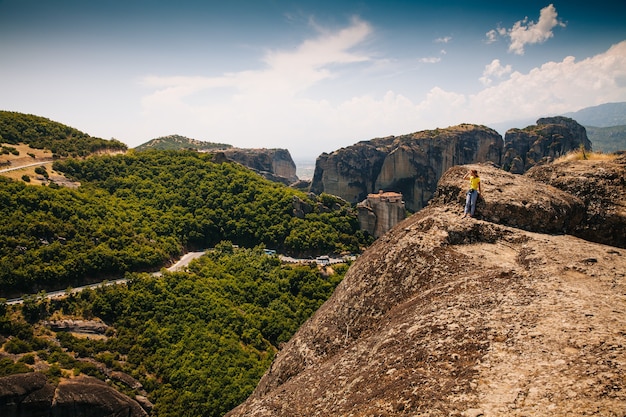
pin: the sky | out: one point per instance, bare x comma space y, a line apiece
307, 76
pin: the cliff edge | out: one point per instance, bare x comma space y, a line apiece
504, 315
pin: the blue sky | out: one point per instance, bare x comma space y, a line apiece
308, 76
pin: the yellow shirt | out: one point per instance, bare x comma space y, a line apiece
474, 181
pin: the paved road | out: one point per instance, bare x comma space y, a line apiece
182, 263
25, 166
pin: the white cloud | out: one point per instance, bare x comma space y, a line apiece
492, 36
554, 88
445, 39
495, 69
551, 89
526, 32
272, 107
286, 73
430, 60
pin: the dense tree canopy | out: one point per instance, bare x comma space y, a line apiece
137, 211
198, 340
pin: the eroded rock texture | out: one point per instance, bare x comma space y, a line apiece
452, 316
549, 139
274, 164
30, 395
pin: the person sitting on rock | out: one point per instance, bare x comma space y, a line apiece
472, 193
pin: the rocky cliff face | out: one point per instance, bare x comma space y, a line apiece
549, 139
274, 164
408, 164
412, 164
30, 395
446, 316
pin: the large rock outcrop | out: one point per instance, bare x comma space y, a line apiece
452, 316
601, 186
512, 200
30, 395
409, 164
274, 164
549, 139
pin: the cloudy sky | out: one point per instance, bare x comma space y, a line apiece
309, 76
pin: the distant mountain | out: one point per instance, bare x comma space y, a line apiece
607, 139
604, 115
605, 124
178, 142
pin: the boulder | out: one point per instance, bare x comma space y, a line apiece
88, 396
513, 200
30, 395
25, 395
601, 186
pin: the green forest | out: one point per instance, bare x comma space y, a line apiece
42, 133
197, 341
138, 211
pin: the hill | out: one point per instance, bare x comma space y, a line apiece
505, 315
140, 210
607, 139
178, 142
41, 133
605, 124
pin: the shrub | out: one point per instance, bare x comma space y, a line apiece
8, 367
16, 345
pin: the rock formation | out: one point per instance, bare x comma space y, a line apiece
446, 316
601, 186
273, 164
379, 213
30, 395
409, 164
412, 164
549, 139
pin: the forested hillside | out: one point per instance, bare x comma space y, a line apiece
195, 343
178, 142
61, 140
137, 211
608, 139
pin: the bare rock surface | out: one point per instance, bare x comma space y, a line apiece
30, 395
601, 186
274, 164
452, 316
513, 200
549, 139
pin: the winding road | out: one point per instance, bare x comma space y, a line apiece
182, 263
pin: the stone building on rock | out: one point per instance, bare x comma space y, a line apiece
378, 213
